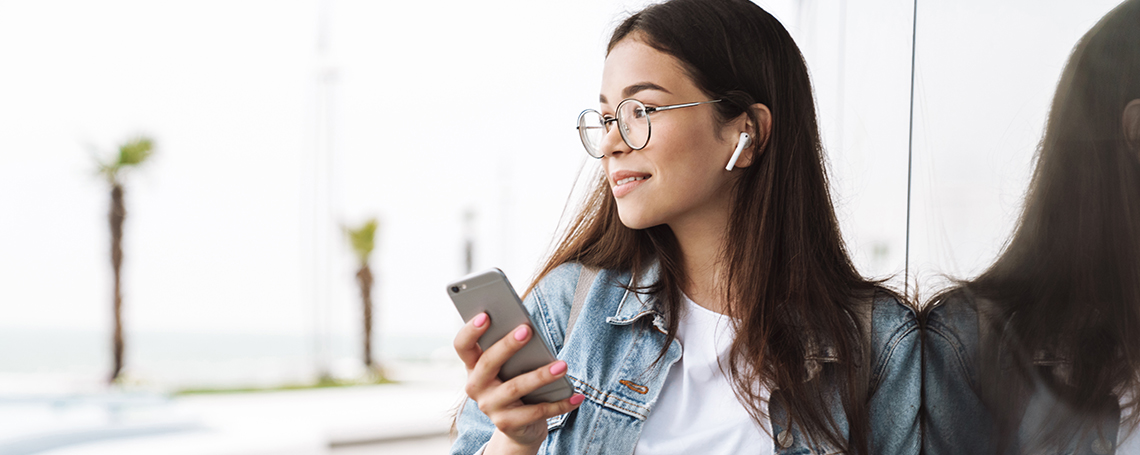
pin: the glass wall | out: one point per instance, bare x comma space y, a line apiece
985, 74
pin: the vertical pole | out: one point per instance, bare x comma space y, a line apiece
319, 213
468, 240
910, 151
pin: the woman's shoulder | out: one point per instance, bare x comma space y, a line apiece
889, 308
895, 346
560, 280
953, 332
894, 322
557, 287
551, 299
891, 317
955, 309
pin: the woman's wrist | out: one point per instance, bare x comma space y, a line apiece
501, 444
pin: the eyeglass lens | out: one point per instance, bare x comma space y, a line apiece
632, 122
591, 129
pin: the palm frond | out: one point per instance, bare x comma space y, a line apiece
135, 151
363, 239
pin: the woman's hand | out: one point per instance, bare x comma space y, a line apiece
520, 428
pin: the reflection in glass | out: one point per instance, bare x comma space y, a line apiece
1040, 353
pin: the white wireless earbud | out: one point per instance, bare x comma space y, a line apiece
745, 141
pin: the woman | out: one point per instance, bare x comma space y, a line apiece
1040, 354
712, 234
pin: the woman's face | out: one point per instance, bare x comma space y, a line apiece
684, 160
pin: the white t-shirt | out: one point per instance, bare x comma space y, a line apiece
697, 411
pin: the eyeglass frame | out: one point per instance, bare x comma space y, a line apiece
648, 125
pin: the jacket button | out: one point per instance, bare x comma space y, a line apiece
1101, 447
785, 439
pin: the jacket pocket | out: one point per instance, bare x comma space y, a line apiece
557, 421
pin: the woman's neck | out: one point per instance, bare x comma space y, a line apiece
701, 243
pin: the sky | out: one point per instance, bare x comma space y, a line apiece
418, 113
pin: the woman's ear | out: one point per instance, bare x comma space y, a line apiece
762, 127
1131, 119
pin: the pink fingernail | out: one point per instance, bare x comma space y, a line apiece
520, 334
558, 368
479, 320
577, 399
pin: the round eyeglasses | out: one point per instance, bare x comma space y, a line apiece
632, 121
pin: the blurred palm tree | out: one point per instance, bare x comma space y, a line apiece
363, 242
131, 154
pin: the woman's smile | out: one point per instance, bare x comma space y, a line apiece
622, 182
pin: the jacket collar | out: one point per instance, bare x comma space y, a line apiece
635, 305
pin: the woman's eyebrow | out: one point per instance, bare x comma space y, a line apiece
635, 88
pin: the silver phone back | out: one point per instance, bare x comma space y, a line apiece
490, 291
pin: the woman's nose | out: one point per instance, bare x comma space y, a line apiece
612, 143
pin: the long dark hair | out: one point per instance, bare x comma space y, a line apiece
790, 281
1068, 283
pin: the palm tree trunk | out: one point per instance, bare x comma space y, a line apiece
364, 278
116, 217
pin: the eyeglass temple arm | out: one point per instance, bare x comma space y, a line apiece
678, 106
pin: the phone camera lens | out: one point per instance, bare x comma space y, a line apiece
455, 289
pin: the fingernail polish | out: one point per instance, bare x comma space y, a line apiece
577, 399
558, 368
479, 320
520, 334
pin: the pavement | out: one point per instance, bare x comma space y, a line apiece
407, 417
424, 446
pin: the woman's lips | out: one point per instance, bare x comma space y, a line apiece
623, 186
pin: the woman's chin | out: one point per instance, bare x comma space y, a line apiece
635, 221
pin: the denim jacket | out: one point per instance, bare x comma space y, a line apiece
960, 331
611, 362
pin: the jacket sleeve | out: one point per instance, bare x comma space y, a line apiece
896, 387
474, 428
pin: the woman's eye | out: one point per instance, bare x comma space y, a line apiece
638, 113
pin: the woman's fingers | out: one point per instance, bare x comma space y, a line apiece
467, 340
509, 420
523, 384
508, 395
484, 374
501, 401
487, 368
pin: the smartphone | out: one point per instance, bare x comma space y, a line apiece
490, 292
